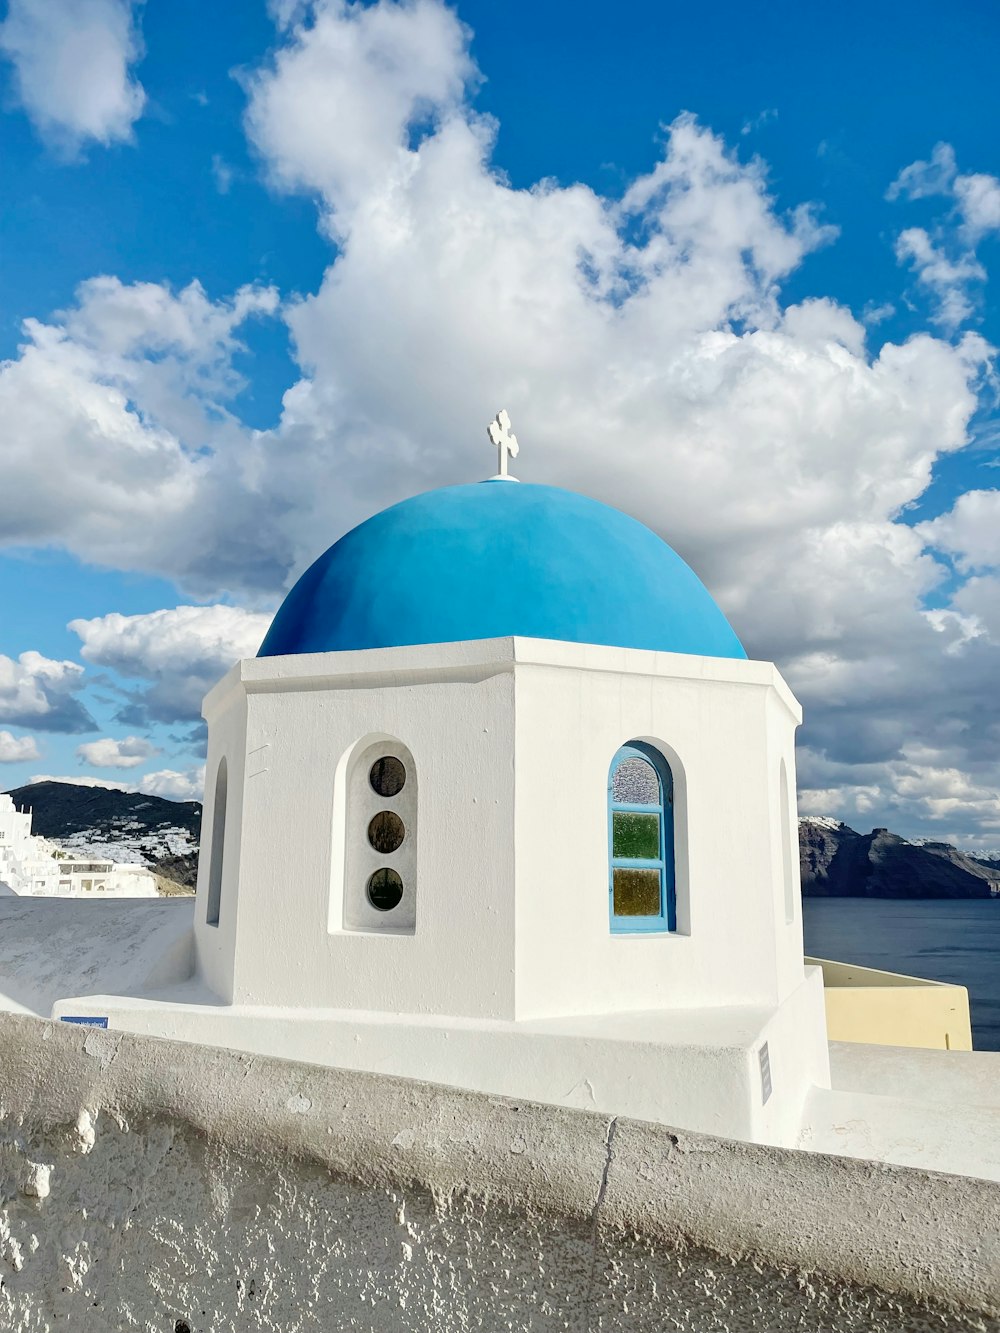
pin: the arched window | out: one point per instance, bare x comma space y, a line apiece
641, 838
380, 891
218, 846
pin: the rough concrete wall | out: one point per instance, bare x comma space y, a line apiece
165, 1187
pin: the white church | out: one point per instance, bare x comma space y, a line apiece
502, 804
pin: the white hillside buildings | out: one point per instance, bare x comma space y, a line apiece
30, 865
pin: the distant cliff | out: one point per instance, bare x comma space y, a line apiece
837, 862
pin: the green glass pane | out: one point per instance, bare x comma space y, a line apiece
636, 892
636, 835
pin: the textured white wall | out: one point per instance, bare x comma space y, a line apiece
710, 718
157, 1186
459, 732
511, 741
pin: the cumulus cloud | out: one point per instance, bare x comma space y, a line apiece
945, 261
642, 343
128, 752
172, 785
976, 195
969, 531
336, 112
943, 802
182, 652
16, 749
36, 691
72, 67
949, 280
920, 179
118, 444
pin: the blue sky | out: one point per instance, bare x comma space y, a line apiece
669, 241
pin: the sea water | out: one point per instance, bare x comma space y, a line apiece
938, 939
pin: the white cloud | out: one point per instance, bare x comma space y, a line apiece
72, 67
16, 749
949, 280
945, 262
976, 195
222, 173
334, 113
128, 752
182, 652
38, 692
759, 121
933, 799
969, 531
920, 180
978, 199
119, 447
979, 599
174, 786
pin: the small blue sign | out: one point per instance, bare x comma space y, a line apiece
87, 1020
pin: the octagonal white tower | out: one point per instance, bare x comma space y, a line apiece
502, 803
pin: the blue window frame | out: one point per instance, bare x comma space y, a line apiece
641, 893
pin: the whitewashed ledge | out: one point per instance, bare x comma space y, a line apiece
54, 947
147, 1184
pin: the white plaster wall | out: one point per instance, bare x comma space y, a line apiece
575, 708
460, 733
799, 1057
151, 1185
511, 741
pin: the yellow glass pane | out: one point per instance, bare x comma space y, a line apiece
636, 892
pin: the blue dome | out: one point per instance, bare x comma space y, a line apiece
495, 559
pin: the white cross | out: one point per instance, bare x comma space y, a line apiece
504, 442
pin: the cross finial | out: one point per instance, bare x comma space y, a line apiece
504, 442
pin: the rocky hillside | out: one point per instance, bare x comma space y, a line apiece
119, 825
837, 862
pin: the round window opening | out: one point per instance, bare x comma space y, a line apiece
386, 832
387, 776
385, 890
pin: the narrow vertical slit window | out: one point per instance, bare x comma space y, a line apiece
787, 865
218, 846
641, 841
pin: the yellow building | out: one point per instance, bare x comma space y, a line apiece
887, 1009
